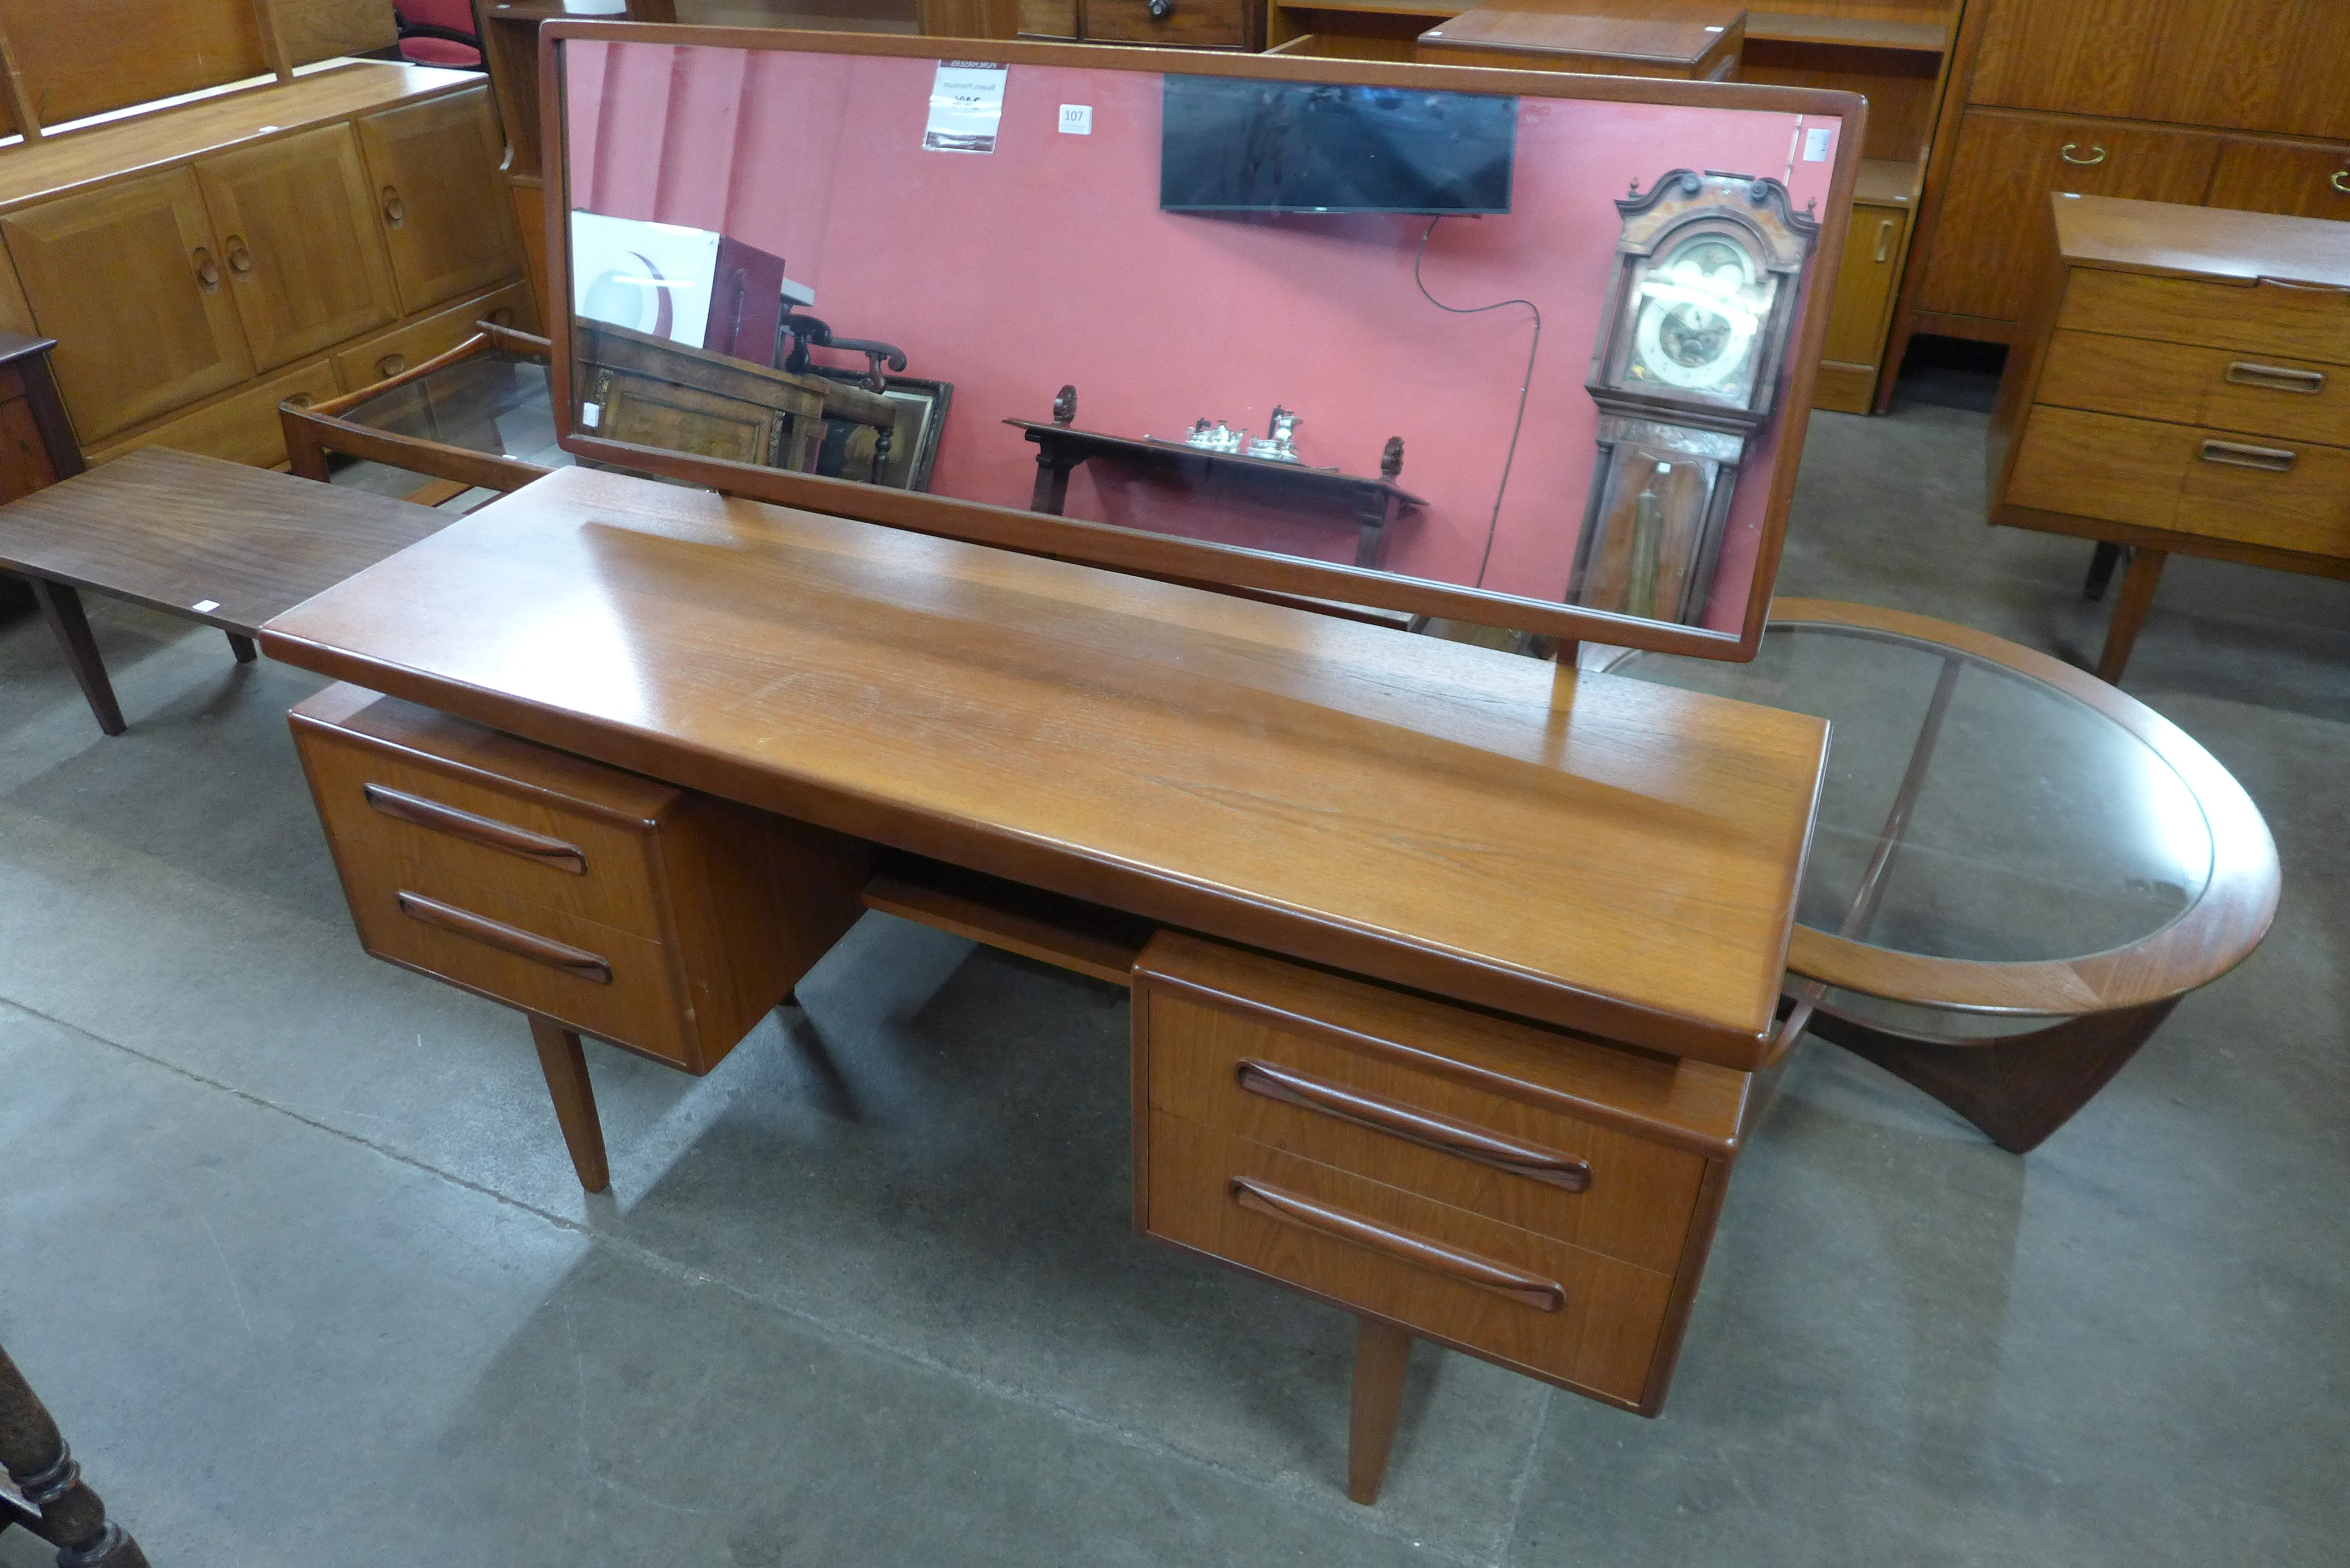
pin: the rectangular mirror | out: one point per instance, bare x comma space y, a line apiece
1526, 350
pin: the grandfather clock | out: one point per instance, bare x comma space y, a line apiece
1686, 373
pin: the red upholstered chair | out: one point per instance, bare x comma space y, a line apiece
438, 33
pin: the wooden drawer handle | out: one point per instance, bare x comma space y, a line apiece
487, 831
390, 365
2275, 377
1413, 1126
1532, 1290
207, 269
2066, 152
395, 210
1884, 239
2235, 454
240, 260
504, 938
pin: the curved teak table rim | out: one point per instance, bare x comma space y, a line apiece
2211, 937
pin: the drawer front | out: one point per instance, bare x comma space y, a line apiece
1195, 24
244, 429
2264, 318
2181, 384
608, 983
2224, 484
407, 347
1558, 1311
2099, 466
528, 845
2289, 495
1523, 1165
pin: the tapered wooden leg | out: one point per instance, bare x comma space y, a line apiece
565, 1066
243, 647
1382, 1352
2138, 584
61, 607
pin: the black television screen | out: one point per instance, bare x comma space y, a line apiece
1229, 144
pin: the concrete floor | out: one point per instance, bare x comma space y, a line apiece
288, 1239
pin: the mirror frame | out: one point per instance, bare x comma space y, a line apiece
1232, 567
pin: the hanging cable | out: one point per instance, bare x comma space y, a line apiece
1493, 523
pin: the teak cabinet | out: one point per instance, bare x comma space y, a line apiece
197, 264
2222, 103
2183, 386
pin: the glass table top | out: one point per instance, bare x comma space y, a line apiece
495, 402
2032, 827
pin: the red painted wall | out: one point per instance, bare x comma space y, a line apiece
1048, 261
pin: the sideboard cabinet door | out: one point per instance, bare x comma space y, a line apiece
435, 166
1997, 199
298, 240
130, 282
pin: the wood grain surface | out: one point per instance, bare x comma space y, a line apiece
2170, 238
173, 531
1599, 854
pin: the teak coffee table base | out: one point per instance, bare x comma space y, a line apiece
2018, 1089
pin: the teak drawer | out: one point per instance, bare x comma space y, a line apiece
590, 977
587, 854
1193, 24
1367, 1112
2263, 317
2262, 395
2289, 495
1575, 1317
705, 912
388, 354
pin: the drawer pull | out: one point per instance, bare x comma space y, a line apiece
488, 832
2235, 454
2275, 377
506, 939
1418, 1126
1885, 240
2340, 181
1532, 1290
2066, 152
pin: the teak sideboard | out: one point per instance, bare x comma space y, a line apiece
2182, 387
1455, 974
199, 264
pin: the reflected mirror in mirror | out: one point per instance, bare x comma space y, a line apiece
1540, 347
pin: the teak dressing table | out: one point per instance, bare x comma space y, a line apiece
1453, 970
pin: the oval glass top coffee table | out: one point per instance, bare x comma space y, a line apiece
2016, 871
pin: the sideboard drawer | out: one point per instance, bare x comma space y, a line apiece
590, 977
2303, 323
1193, 24
1524, 1164
1591, 1322
2184, 384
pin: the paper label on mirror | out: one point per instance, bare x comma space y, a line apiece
966, 106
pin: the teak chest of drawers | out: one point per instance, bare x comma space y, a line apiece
1455, 975
2183, 387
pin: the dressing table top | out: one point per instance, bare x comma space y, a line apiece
1595, 852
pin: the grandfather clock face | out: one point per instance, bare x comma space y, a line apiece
1697, 317
1685, 374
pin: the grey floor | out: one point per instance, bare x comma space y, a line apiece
288, 1241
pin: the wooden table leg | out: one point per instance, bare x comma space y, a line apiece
67, 1513
565, 1066
61, 607
2018, 1089
2129, 611
1382, 1355
243, 647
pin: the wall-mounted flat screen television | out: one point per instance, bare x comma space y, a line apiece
1228, 144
